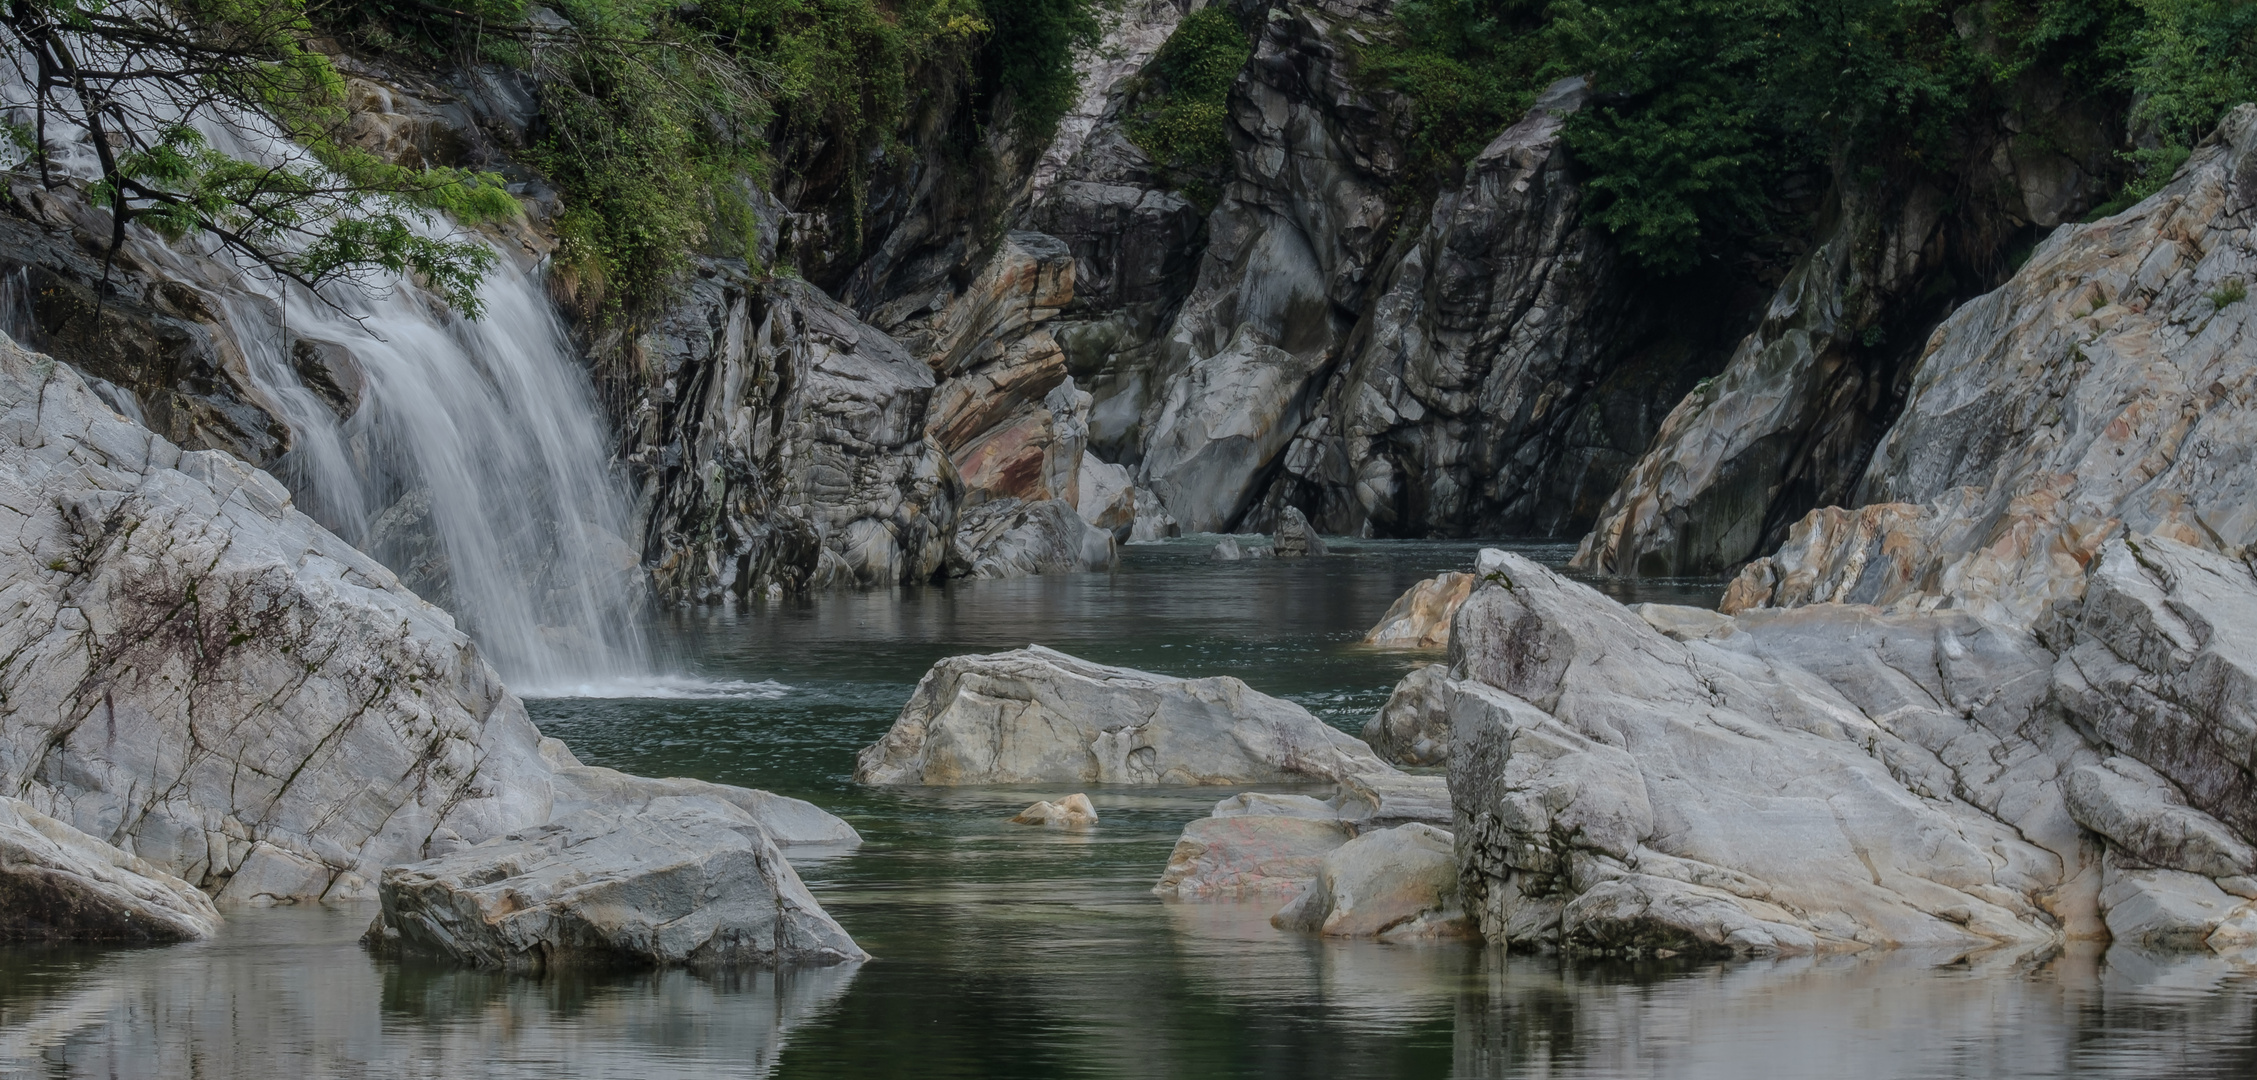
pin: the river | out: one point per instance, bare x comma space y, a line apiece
1004, 951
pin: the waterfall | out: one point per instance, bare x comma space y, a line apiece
466, 455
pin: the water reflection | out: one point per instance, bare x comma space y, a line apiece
288, 992
1005, 951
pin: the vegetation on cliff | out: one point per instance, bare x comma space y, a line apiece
1705, 107
1183, 122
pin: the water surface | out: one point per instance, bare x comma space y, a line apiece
1003, 951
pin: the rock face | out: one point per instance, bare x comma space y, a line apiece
2104, 388
203, 676
1789, 423
790, 446
1398, 884
676, 881
1036, 715
1479, 394
1835, 777
1009, 538
1420, 618
59, 884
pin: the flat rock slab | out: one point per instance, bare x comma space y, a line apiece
59, 884
1039, 716
689, 881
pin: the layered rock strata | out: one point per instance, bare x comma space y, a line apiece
2104, 389
1036, 715
1790, 422
785, 445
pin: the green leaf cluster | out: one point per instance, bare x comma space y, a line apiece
1184, 124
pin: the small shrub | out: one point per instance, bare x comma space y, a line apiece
2234, 291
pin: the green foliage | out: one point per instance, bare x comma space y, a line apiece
137, 77
2234, 291
1471, 67
1030, 54
1185, 125
2192, 61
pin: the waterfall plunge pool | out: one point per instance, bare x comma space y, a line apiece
1003, 951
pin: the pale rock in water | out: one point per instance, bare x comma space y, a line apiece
205, 678
59, 884
1398, 884
1413, 727
1107, 499
1420, 618
1260, 854
1072, 812
1036, 715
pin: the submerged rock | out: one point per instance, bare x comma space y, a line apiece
679, 880
1396, 884
1036, 715
1071, 812
1294, 538
59, 884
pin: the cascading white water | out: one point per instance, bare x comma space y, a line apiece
474, 463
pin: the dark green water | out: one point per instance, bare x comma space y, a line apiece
1003, 951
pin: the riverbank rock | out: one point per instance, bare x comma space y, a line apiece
1398, 884
676, 881
1009, 538
1413, 728
1228, 549
59, 884
1071, 812
1294, 539
1036, 715
1420, 618
1620, 790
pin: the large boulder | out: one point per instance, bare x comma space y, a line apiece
1836, 782
676, 880
1036, 715
59, 884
